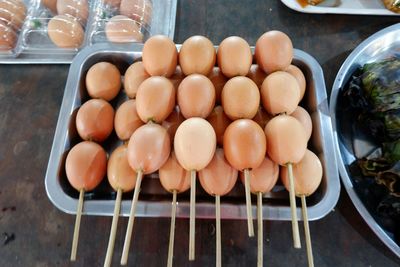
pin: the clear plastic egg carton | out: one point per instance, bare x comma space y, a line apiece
47, 33
12, 18
154, 201
121, 21
54, 31
131, 21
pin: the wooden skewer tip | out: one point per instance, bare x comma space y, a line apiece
248, 203
260, 244
172, 230
127, 243
218, 230
293, 210
114, 224
192, 222
307, 232
75, 238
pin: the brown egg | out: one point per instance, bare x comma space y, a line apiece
65, 31
219, 121
263, 178
78, 9
262, 117
280, 93
50, 4
234, 57
112, 3
134, 76
304, 118
194, 144
173, 176
159, 56
95, 120
218, 79
274, 51
148, 148
307, 174
196, 96
244, 144
298, 74
197, 55
155, 99
172, 122
12, 13
103, 80
218, 178
138, 10
177, 77
240, 98
257, 75
86, 165
8, 37
120, 174
286, 138
121, 29
126, 120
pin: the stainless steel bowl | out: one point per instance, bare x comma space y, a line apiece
154, 201
377, 46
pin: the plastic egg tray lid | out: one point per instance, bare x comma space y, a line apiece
50, 38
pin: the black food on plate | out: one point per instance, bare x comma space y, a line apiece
374, 93
372, 96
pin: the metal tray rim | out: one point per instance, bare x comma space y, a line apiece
339, 81
68, 204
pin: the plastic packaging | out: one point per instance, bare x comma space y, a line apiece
121, 21
12, 17
54, 31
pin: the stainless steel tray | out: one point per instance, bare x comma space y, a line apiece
377, 46
163, 22
154, 201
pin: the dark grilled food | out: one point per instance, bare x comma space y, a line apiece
372, 96
374, 93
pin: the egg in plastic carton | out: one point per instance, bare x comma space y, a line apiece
12, 17
55, 26
121, 21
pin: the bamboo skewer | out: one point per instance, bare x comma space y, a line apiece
295, 225
172, 230
114, 224
250, 226
260, 230
218, 226
192, 222
77, 225
307, 231
125, 251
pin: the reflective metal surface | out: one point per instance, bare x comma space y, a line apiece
348, 146
154, 201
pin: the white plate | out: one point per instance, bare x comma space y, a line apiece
355, 7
